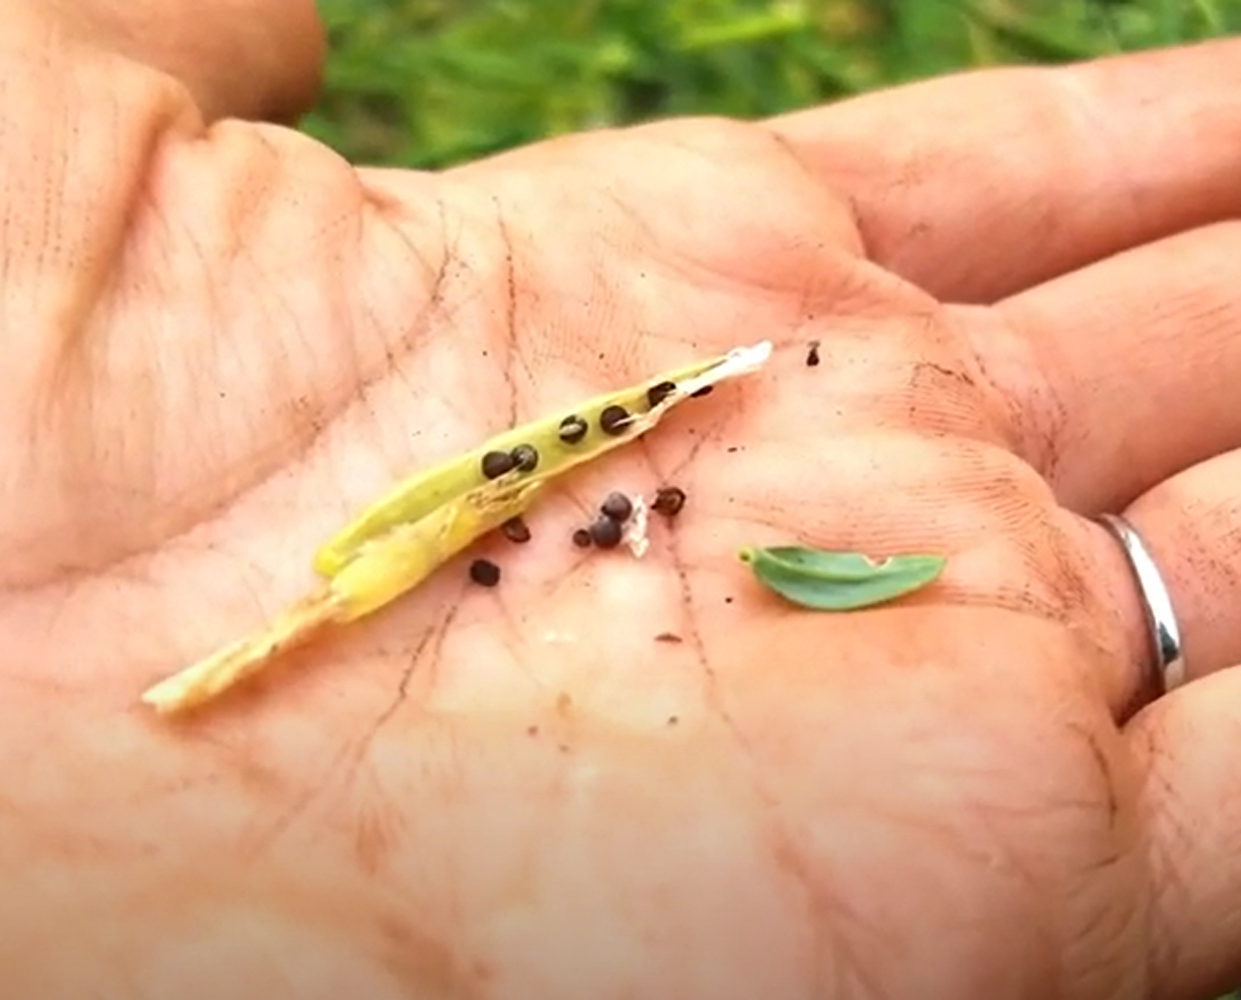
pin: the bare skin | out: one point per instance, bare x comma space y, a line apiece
221, 341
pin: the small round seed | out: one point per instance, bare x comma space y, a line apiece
812, 355
484, 572
657, 393
605, 533
668, 501
496, 463
614, 419
516, 530
616, 506
582, 539
525, 457
572, 429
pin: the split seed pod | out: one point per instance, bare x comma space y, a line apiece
436, 513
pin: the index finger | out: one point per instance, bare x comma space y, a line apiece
978, 185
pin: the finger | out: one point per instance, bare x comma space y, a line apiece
1191, 527
256, 59
1187, 745
975, 186
1126, 371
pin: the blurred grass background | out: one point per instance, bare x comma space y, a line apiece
428, 83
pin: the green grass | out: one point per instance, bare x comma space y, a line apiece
428, 83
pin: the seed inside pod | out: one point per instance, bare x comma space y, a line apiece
582, 539
572, 429
516, 530
616, 506
496, 463
614, 419
525, 457
657, 393
606, 533
668, 501
484, 572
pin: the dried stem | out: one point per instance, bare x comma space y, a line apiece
209, 678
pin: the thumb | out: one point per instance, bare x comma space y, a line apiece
187, 310
257, 59
1188, 743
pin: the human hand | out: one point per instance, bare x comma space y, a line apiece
221, 346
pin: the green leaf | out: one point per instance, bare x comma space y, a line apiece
839, 581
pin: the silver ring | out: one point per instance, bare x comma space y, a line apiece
1165, 634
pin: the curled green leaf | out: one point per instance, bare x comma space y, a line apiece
839, 581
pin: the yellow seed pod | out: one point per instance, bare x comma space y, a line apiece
561, 441
432, 516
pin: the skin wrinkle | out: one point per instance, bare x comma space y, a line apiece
430, 647
986, 807
859, 247
306, 428
1105, 470
1096, 128
704, 276
512, 352
1019, 367
656, 244
143, 116
783, 845
722, 142
338, 776
1165, 869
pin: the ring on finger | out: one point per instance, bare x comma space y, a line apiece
1165, 634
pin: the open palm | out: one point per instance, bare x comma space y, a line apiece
221, 349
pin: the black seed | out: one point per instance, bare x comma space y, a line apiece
582, 539
617, 506
525, 457
484, 572
812, 355
657, 393
668, 501
496, 463
516, 530
704, 391
613, 419
605, 533
572, 429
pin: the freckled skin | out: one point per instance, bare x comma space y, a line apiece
517, 794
